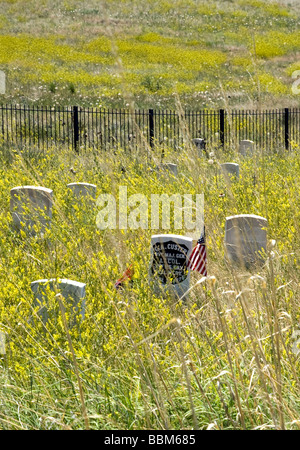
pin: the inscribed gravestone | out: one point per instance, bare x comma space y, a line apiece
168, 268
72, 291
246, 147
231, 169
246, 239
32, 206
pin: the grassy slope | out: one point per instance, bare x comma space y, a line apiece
112, 53
229, 361
147, 362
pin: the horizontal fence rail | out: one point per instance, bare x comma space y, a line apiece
84, 128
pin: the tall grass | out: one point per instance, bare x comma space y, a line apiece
221, 358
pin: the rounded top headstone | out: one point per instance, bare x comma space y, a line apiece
246, 216
229, 164
246, 147
80, 183
230, 169
246, 239
33, 188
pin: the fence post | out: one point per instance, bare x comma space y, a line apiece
286, 129
222, 127
151, 128
76, 128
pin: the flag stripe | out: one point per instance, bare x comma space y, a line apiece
198, 258
199, 263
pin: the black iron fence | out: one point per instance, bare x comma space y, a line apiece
84, 128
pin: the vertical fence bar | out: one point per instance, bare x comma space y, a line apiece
286, 129
75, 128
222, 127
2, 121
151, 128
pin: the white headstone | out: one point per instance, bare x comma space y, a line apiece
172, 168
72, 291
246, 147
166, 169
246, 239
231, 169
83, 190
168, 267
32, 206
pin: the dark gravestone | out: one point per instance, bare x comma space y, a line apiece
200, 144
168, 269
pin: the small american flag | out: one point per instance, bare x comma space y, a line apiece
198, 258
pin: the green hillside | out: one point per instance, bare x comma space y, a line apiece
113, 53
